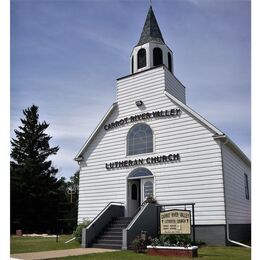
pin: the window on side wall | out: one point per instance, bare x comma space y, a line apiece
246, 186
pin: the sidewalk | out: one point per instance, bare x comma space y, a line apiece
59, 253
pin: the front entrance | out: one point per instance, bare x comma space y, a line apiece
133, 200
140, 185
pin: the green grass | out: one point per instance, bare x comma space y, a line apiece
36, 244
205, 253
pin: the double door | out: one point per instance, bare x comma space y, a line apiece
138, 191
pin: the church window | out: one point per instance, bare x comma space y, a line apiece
246, 186
169, 62
139, 140
141, 58
157, 57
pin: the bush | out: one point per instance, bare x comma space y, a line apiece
78, 232
150, 199
172, 240
139, 244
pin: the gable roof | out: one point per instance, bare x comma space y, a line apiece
151, 31
217, 134
196, 115
84, 147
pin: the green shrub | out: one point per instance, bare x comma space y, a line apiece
78, 232
172, 240
150, 199
139, 244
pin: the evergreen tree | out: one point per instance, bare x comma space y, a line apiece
35, 191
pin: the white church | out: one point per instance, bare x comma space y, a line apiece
151, 144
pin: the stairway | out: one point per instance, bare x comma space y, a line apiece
111, 237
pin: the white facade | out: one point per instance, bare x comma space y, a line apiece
197, 178
238, 209
211, 170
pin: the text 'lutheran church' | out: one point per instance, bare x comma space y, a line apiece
151, 146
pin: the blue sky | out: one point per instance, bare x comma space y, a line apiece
67, 54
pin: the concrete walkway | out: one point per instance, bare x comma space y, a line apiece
59, 253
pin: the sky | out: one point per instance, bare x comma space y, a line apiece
67, 54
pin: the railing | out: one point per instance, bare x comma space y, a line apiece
102, 211
144, 220
112, 210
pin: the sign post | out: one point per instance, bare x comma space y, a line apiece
175, 222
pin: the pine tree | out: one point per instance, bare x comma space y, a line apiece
35, 193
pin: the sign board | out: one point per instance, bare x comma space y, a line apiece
175, 222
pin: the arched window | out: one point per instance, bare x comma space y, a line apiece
141, 58
140, 172
170, 62
157, 57
140, 139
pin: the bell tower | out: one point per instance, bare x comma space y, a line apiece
151, 50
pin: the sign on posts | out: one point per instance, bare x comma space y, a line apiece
175, 222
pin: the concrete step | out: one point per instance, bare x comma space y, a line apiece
129, 218
115, 225
108, 233
111, 246
121, 221
110, 237
109, 241
113, 229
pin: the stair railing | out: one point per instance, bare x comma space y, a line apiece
111, 210
102, 211
144, 220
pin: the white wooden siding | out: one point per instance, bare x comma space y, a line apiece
237, 206
197, 178
174, 87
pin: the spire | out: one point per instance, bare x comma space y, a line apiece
151, 31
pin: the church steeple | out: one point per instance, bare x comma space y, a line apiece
151, 31
151, 50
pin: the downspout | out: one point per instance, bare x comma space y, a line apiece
227, 224
233, 241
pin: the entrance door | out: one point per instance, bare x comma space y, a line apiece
146, 188
133, 197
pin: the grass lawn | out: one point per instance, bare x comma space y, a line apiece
205, 253
34, 244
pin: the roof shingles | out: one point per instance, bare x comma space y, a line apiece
151, 31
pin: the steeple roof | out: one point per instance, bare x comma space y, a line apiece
151, 31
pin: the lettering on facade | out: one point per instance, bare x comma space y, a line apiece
175, 222
155, 114
148, 160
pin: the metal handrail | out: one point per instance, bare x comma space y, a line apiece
142, 207
102, 211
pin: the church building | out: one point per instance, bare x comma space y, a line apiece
151, 146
